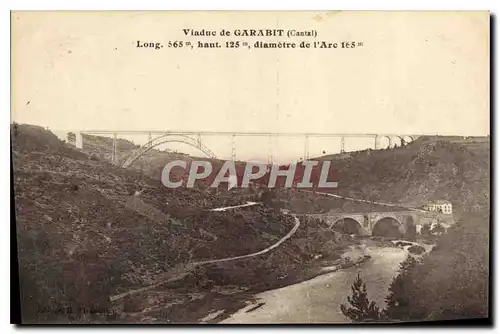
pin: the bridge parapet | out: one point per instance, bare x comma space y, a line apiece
368, 220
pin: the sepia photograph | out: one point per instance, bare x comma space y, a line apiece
251, 167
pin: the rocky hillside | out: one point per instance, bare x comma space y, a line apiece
150, 164
102, 147
427, 169
88, 230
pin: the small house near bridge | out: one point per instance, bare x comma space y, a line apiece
440, 206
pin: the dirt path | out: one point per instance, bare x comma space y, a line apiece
181, 271
236, 206
362, 200
288, 235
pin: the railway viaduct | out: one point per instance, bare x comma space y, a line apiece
195, 139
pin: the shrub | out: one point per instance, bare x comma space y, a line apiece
416, 249
426, 230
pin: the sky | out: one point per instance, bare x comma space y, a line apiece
416, 73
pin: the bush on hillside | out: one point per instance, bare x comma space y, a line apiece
452, 281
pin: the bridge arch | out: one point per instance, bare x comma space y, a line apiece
347, 225
407, 139
384, 141
396, 141
388, 227
168, 138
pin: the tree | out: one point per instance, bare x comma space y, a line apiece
399, 299
361, 309
71, 136
268, 197
451, 282
426, 230
438, 229
411, 230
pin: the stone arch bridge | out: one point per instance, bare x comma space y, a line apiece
367, 223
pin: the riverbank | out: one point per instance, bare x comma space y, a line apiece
191, 299
323, 284
318, 300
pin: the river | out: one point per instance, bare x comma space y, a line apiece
318, 300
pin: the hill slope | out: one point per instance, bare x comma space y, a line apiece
428, 169
84, 234
425, 170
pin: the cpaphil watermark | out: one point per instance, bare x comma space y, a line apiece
306, 174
